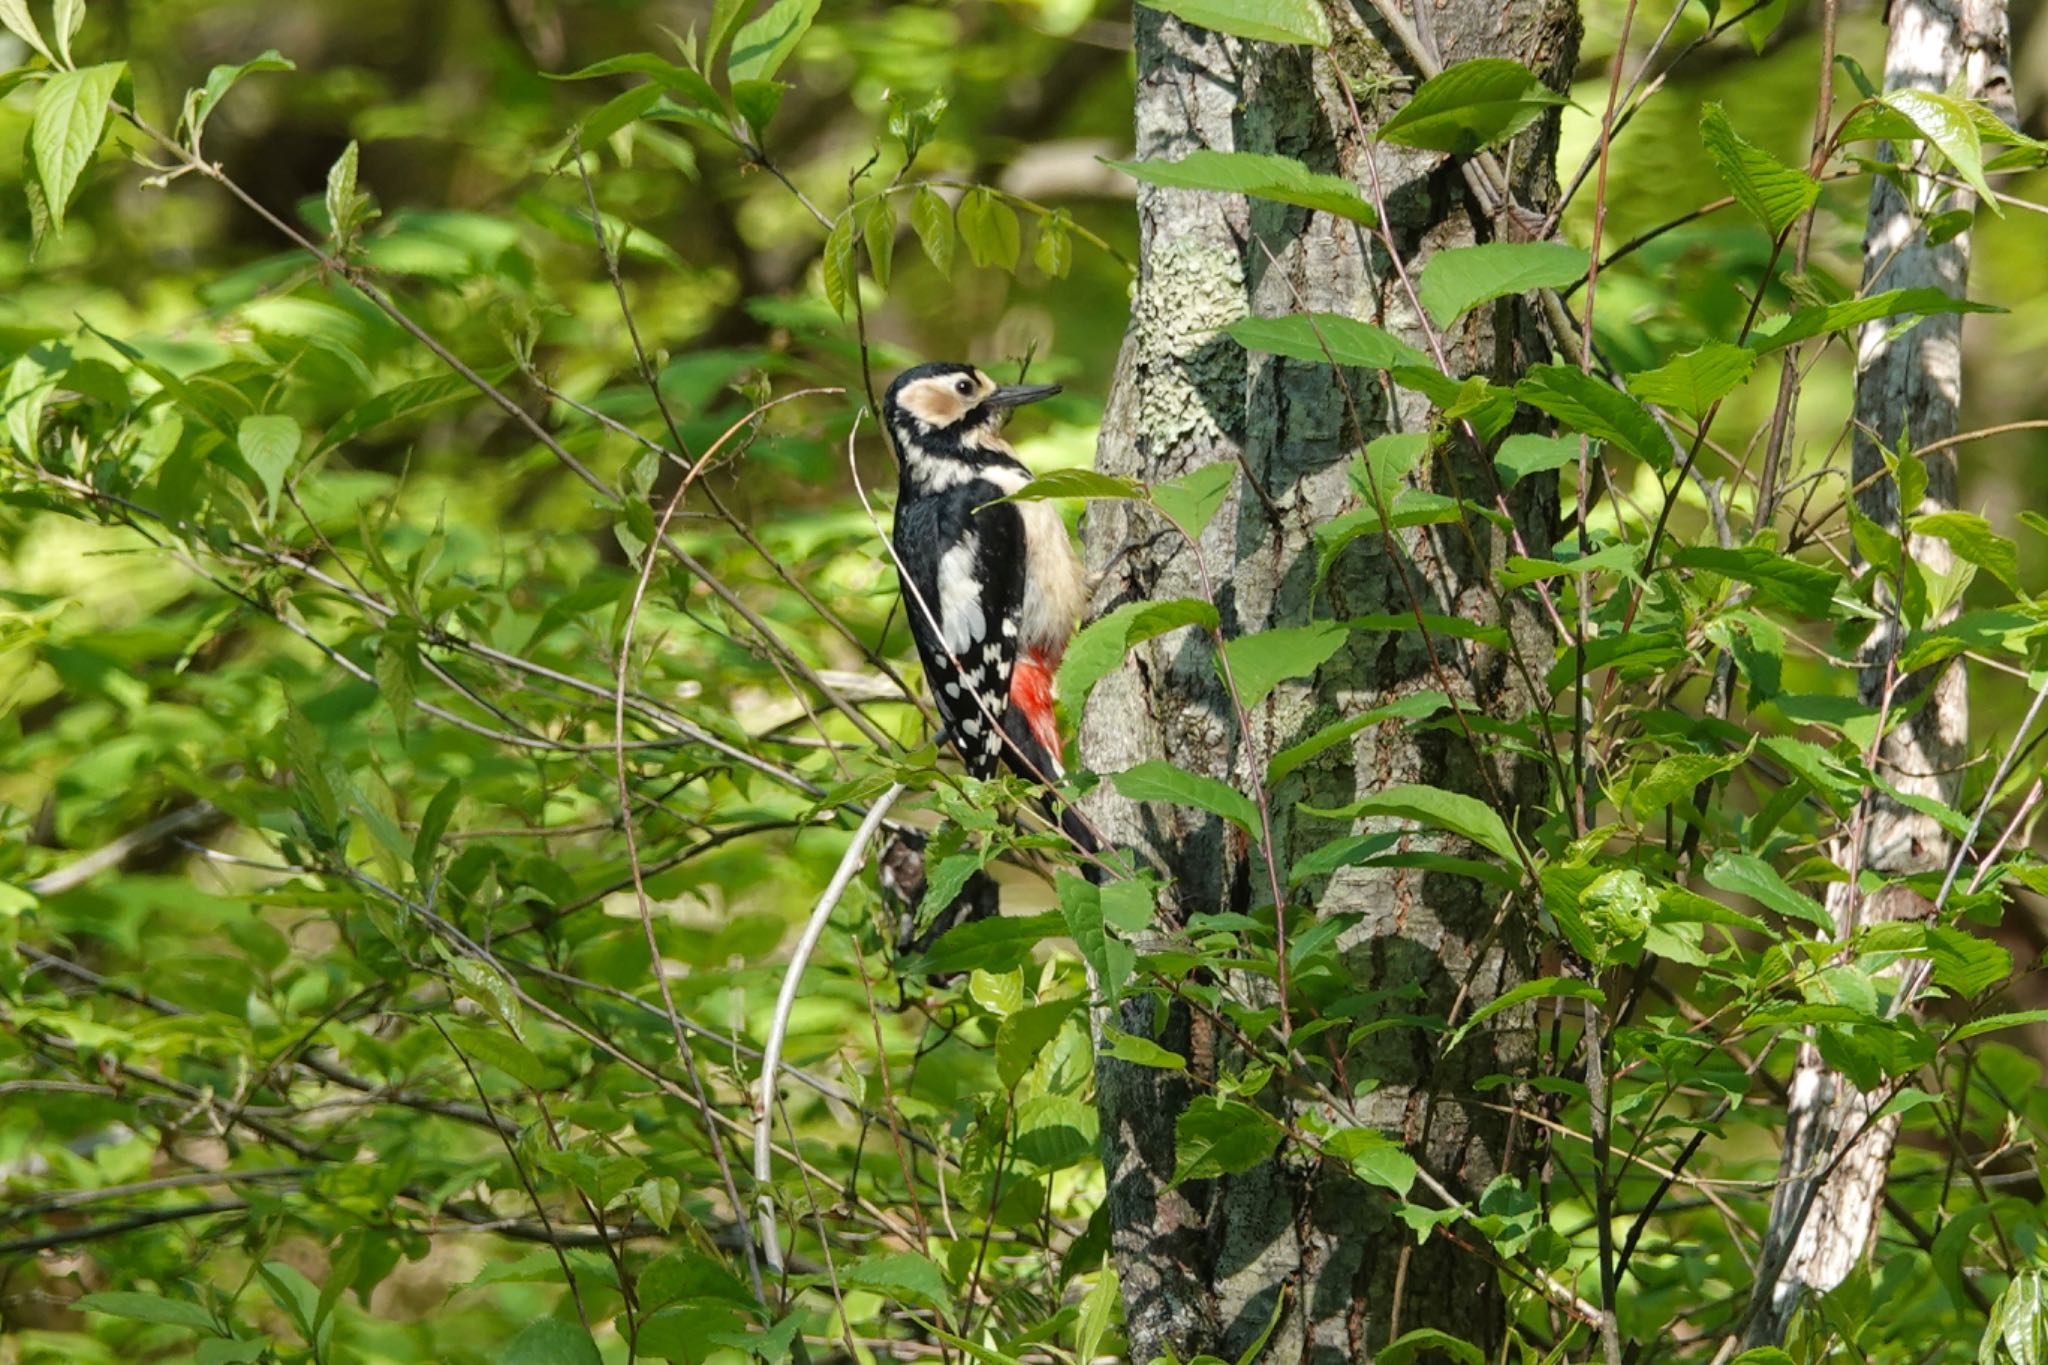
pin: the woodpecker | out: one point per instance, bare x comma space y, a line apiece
992, 590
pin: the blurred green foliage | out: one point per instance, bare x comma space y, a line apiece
363, 1015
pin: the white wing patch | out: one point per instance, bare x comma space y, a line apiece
961, 619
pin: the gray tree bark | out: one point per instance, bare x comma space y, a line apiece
1205, 1264
1908, 390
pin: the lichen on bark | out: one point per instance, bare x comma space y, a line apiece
1204, 1264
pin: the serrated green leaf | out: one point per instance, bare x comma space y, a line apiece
1470, 105
1259, 175
1162, 781
1598, 409
1693, 382
1076, 482
901, 1275
1547, 988
1780, 581
1774, 194
1974, 542
1457, 280
1324, 338
1193, 499
1025, 1034
1745, 875
1300, 22
1945, 121
1416, 707
1100, 646
1454, 812
1834, 317
1215, 1137
1259, 663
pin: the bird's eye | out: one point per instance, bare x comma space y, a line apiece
964, 387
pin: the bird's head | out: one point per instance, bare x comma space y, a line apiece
949, 414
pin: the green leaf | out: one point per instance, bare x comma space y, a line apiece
269, 445
1459, 279
15, 15
1966, 964
1259, 663
1675, 778
1215, 1137
348, 209
1053, 253
1081, 908
1945, 122
1974, 542
1301, 22
1376, 1159
1193, 499
1405, 1348
901, 1275
757, 100
1416, 707
1834, 317
1076, 482
1523, 454
1808, 589
995, 945
1596, 408
1025, 1034
551, 1341
990, 229
222, 79
1774, 194
1100, 646
148, 1308
1994, 1023
1455, 812
931, 217
1126, 1047
1695, 381
1470, 105
1547, 988
762, 46
836, 264
1259, 175
1325, 338
1161, 781
433, 824
70, 118
403, 400
1744, 875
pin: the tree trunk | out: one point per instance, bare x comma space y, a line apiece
1908, 389
1204, 1264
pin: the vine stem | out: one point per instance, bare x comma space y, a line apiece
785, 1000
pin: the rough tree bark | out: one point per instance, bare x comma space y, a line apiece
1908, 389
1203, 1265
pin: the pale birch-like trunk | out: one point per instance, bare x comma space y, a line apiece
1908, 390
1205, 1265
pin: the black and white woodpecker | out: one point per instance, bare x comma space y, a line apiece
992, 590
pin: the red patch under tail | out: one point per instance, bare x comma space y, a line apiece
1031, 694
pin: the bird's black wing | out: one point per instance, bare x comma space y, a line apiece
963, 586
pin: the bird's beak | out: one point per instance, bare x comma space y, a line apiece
1017, 395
